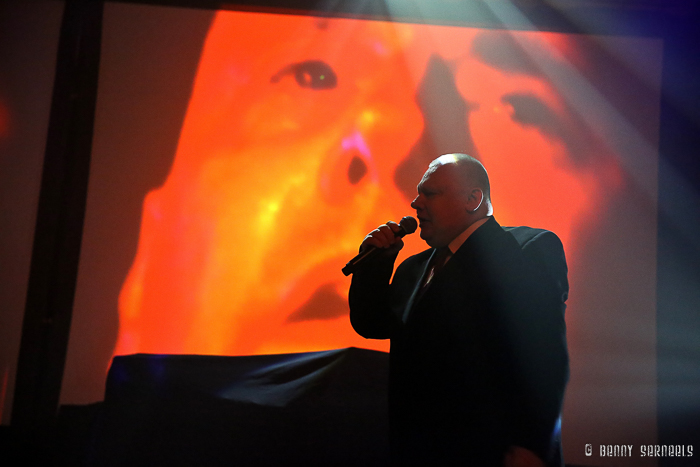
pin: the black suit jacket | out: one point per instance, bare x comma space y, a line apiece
479, 361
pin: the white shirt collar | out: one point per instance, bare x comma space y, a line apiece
461, 238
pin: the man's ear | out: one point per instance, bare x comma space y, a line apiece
475, 200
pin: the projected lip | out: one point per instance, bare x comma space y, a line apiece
324, 303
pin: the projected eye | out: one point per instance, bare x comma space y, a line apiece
314, 74
530, 110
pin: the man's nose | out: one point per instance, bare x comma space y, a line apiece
416, 204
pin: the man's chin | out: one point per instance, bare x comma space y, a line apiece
427, 237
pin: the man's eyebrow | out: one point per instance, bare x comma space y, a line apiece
421, 188
428, 189
501, 51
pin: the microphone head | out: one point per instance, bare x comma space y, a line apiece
408, 224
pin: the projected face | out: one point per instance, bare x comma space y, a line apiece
303, 134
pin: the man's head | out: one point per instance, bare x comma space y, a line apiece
452, 195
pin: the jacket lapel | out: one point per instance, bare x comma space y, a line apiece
416, 287
461, 257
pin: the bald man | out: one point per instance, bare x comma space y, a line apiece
478, 361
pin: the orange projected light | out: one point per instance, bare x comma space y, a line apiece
301, 135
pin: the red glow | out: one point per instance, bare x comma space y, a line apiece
4, 121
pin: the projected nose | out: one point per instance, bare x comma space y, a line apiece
445, 116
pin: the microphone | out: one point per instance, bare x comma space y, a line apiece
408, 225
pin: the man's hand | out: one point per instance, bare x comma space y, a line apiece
384, 237
521, 457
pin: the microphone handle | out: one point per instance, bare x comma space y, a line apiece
370, 252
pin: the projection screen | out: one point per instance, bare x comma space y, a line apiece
232, 179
